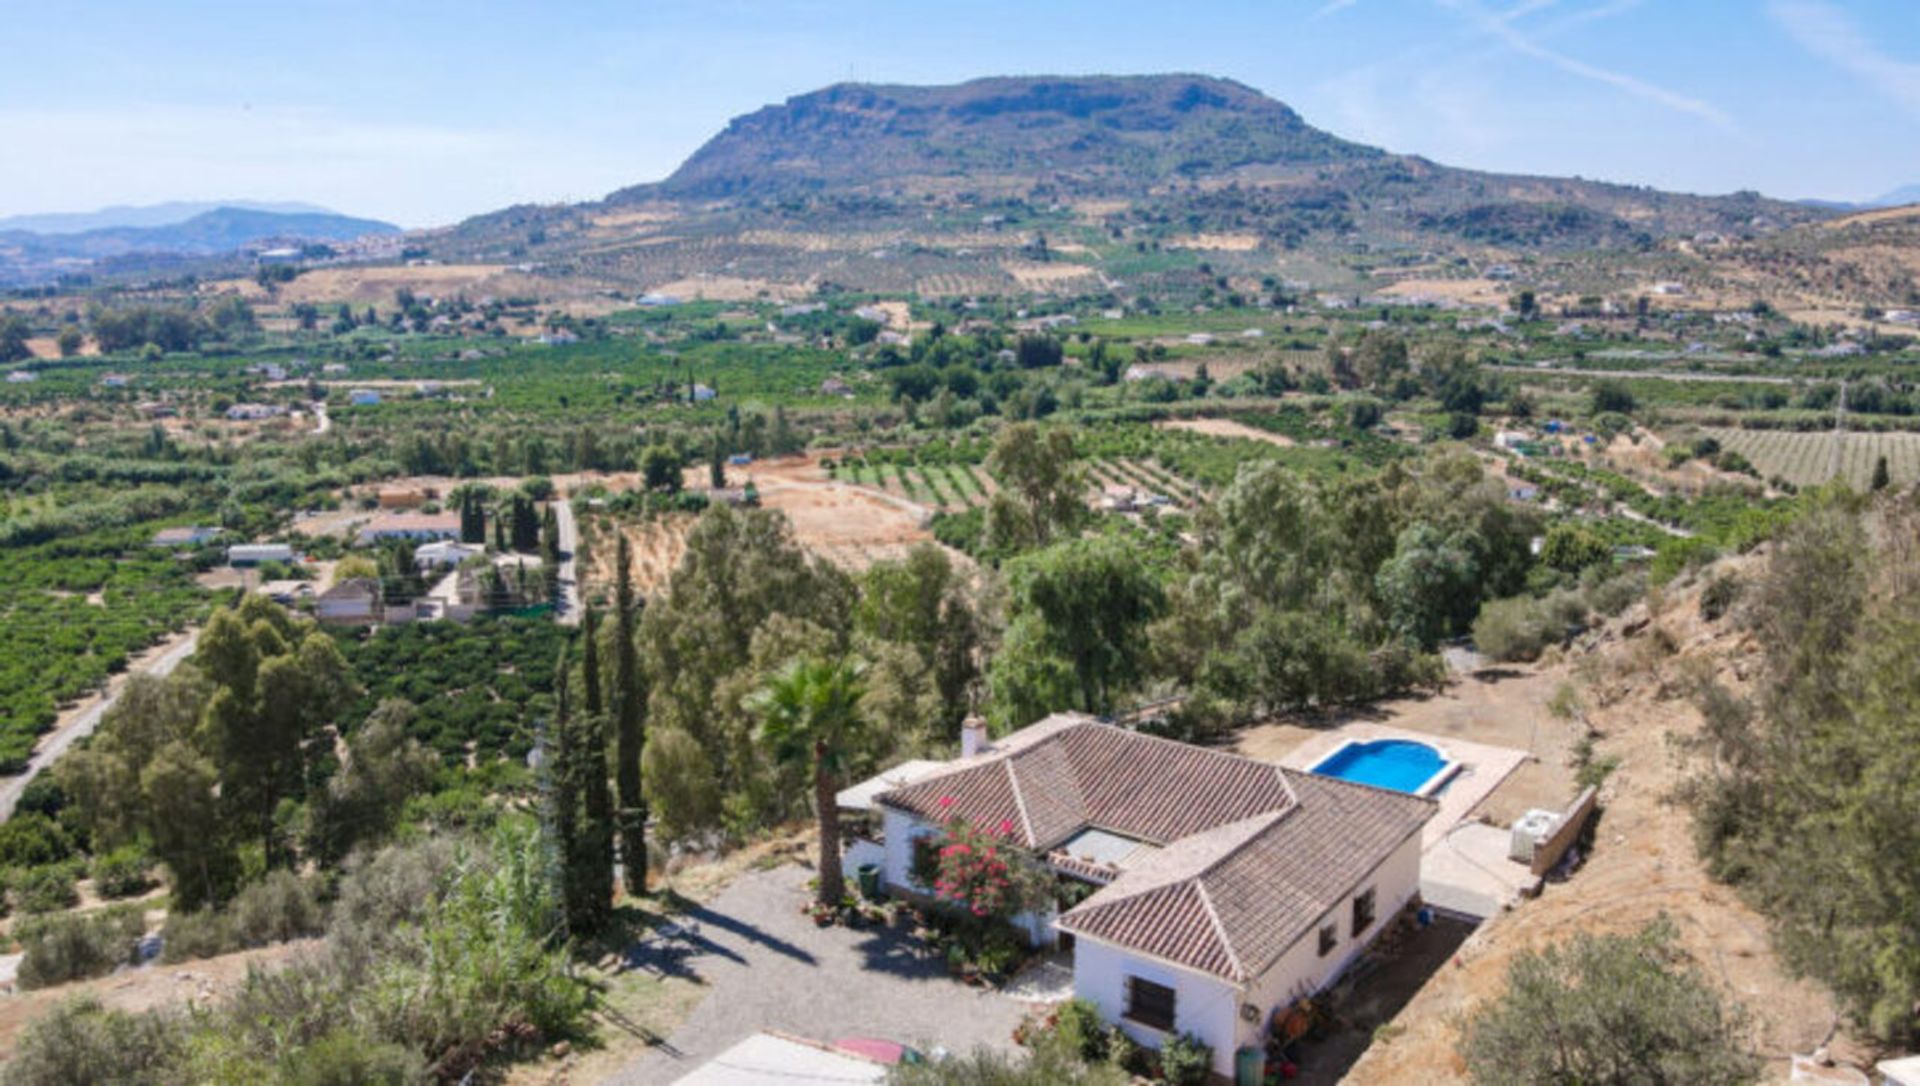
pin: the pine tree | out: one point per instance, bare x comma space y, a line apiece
630, 720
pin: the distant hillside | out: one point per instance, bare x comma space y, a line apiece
177, 211
27, 258
1124, 133
1905, 194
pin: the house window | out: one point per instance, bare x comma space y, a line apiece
1329, 938
1150, 1004
1363, 912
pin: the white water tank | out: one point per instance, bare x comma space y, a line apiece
1530, 830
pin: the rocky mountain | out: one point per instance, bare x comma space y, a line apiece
1117, 133
959, 189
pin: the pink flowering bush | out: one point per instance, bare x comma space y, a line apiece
983, 873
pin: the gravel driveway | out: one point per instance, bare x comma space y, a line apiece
769, 967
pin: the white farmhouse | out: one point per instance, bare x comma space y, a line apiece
1227, 889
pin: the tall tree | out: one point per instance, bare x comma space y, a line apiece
810, 714
630, 736
598, 825
1042, 488
580, 869
1081, 610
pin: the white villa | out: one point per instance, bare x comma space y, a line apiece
1228, 888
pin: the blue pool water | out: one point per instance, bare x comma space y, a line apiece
1400, 764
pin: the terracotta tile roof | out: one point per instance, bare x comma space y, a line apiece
1069, 772
1258, 885
1252, 855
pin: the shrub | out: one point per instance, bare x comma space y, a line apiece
124, 872
81, 1043
32, 840
203, 933
1719, 597
72, 947
1080, 1028
42, 795
1185, 1060
1583, 1010
276, 909
1521, 627
45, 889
345, 1056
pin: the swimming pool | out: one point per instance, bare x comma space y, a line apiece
1402, 765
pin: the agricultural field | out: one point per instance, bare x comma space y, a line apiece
1812, 458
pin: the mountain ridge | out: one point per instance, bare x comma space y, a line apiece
1119, 132
166, 213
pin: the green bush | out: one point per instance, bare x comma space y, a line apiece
81, 1043
124, 872
1185, 1060
1719, 597
1520, 628
203, 933
75, 946
32, 840
45, 889
1081, 1029
346, 1058
278, 908
1584, 1010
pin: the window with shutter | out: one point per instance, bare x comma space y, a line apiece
1150, 1004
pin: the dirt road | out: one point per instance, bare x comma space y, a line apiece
56, 742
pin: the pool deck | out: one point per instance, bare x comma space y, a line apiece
1482, 768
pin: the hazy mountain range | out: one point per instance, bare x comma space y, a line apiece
140, 239
166, 214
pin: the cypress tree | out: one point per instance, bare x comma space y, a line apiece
630, 722
562, 773
1880, 475
598, 827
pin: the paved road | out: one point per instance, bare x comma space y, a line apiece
766, 966
567, 607
54, 744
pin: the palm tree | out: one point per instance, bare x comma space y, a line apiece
810, 713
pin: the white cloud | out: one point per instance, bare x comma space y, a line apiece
1503, 28
1828, 33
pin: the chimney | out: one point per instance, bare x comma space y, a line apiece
973, 736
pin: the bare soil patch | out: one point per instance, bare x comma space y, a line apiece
156, 986
1643, 864
1225, 428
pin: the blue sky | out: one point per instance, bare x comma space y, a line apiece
423, 111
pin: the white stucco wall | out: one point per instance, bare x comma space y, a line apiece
1204, 1006
1302, 971
899, 829
1209, 1008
